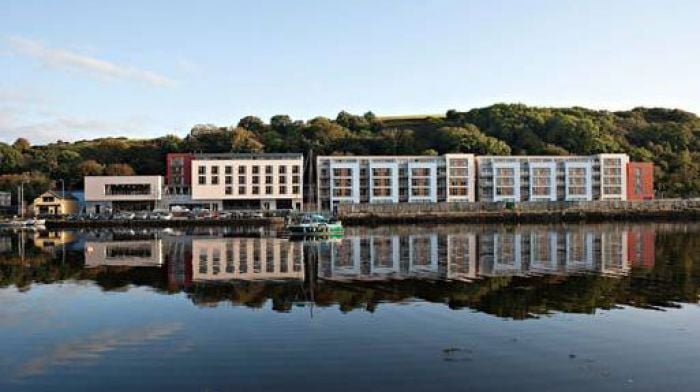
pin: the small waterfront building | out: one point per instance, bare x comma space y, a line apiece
55, 203
247, 181
640, 181
552, 178
108, 194
394, 179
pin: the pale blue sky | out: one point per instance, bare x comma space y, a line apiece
84, 69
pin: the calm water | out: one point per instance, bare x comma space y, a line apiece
581, 307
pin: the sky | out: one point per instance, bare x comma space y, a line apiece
72, 70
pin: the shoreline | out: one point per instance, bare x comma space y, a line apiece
174, 223
525, 212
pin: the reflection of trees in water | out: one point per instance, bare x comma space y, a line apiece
674, 279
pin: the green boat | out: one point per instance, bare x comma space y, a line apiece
314, 225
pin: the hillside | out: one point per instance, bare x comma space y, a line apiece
668, 137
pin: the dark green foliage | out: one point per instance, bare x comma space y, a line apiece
668, 137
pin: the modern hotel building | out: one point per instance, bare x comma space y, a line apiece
552, 178
247, 181
394, 179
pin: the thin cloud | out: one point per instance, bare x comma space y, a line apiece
93, 348
68, 60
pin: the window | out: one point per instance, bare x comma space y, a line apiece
128, 189
283, 189
268, 190
241, 180
268, 169
256, 169
228, 170
295, 169
202, 180
256, 179
268, 179
202, 170
214, 170
295, 179
241, 169
228, 180
295, 189
256, 190
282, 170
229, 190
241, 190
282, 179
215, 180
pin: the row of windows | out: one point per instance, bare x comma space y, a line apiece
255, 190
255, 169
228, 180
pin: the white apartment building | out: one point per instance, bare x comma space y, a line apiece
107, 194
394, 179
552, 178
248, 181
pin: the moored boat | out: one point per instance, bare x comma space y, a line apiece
311, 225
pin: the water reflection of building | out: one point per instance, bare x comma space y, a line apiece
468, 255
138, 253
461, 256
641, 247
500, 254
398, 257
613, 252
50, 240
246, 259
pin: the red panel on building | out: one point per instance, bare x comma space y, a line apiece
640, 181
178, 169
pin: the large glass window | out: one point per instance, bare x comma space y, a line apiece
127, 189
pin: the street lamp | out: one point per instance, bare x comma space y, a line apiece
63, 195
21, 196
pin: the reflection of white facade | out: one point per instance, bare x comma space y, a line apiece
467, 256
423, 253
461, 256
613, 252
543, 251
579, 251
384, 254
246, 259
146, 253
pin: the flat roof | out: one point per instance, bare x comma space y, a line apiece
249, 156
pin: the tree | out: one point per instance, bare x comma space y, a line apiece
252, 123
119, 169
21, 144
280, 123
243, 140
90, 168
10, 159
398, 141
469, 139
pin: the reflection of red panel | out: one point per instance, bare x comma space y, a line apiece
641, 248
640, 181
